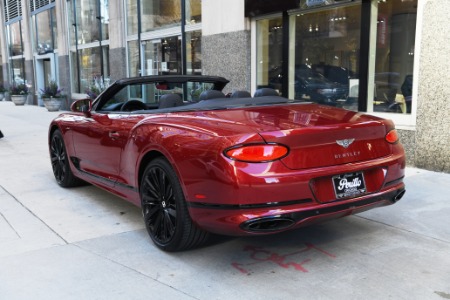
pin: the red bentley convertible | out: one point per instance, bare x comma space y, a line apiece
197, 161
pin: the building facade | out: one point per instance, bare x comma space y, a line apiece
383, 57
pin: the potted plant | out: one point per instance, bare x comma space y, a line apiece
52, 96
2, 92
93, 91
19, 93
97, 86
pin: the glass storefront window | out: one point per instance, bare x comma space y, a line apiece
156, 14
193, 11
104, 19
162, 56
17, 67
269, 39
324, 62
44, 30
132, 19
89, 65
88, 14
194, 52
91, 72
133, 59
54, 28
15, 39
324, 57
74, 71
72, 24
308, 4
1, 65
394, 63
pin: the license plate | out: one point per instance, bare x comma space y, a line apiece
349, 185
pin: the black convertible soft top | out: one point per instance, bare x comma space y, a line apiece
219, 82
210, 104
221, 103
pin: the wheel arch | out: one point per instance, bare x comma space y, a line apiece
151, 155
52, 129
146, 159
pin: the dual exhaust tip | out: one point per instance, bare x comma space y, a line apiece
398, 196
267, 224
278, 223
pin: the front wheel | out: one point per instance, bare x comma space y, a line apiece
60, 162
164, 209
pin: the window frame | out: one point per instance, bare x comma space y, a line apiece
402, 121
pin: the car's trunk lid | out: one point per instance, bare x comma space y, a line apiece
318, 136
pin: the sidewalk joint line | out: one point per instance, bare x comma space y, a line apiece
405, 230
10, 225
33, 214
132, 269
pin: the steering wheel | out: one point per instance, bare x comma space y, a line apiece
132, 105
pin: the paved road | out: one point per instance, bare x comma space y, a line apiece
84, 243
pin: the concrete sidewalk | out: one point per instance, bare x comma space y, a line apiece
84, 243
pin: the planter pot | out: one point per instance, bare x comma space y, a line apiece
52, 104
2, 96
19, 99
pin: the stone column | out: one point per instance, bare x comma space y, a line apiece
433, 106
27, 41
63, 64
3, 49
226, 43
117, 46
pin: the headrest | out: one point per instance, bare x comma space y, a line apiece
241, 94
170, 100
265, 92
211, 94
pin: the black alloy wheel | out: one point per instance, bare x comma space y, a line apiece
60, 162
164, 209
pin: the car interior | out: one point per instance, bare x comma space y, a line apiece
159, 98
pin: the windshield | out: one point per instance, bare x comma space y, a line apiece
150, 94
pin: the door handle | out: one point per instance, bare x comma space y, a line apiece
114, 134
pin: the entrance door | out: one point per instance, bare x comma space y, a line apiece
45, 72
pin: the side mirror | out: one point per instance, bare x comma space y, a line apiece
82, 105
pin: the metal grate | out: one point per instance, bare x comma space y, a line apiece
13, 9
36, 4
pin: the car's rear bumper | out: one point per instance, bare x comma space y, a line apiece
247, 220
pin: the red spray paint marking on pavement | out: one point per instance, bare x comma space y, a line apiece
260, 255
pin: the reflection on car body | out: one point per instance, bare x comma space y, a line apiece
242, 165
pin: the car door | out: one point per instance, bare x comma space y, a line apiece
100, 137
98, 142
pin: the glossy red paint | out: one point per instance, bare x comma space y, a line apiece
111, 149
194, 142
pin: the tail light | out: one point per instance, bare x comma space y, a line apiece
257, 153
392, 136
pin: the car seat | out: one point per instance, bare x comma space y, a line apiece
265, 92
170, 100
211, 94
241, 94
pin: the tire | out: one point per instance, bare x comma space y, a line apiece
164, 209
60, 162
